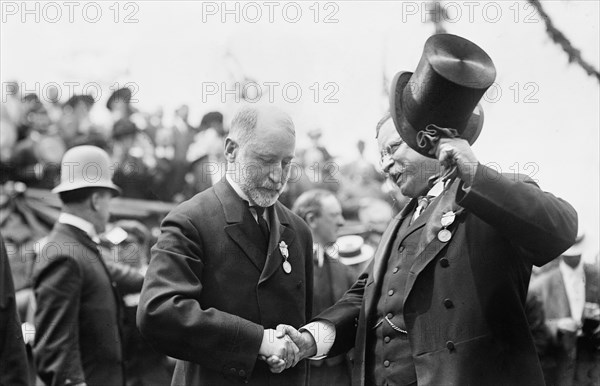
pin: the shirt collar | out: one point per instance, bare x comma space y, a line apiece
79, 223
437, 189
236, 187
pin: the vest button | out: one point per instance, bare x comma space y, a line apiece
450, 345
386, 363
390, 292
242, 373
444, 262
448, 303
387, 339
232, 370
395, 270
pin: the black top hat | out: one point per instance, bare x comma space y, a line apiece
122, 94
441, 97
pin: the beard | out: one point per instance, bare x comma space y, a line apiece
261, 193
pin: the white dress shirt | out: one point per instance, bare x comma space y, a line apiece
574, 280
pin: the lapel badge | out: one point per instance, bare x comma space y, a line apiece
448, 218
283, 248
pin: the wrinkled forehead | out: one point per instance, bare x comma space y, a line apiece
387, 135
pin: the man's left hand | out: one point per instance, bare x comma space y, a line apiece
457, 151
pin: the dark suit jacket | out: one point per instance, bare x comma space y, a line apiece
559, 355
205, 298
13, 359
502, 227
78, 314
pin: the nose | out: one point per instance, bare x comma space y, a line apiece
276, 173
341, 221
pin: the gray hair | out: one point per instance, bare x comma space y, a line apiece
310, 202
245, 120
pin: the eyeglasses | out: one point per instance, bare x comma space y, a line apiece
388, 152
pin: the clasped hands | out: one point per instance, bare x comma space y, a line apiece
284, 347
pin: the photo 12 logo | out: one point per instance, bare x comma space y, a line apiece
469, 11
56, 91
270, 11
271, 92
69, 11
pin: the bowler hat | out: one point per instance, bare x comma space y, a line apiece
85, 167
441, 97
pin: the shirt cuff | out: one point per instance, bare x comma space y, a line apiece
323, 333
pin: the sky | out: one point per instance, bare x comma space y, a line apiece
326, 63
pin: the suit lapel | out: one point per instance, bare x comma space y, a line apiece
280, 231
429, 245
383, 252
242, 228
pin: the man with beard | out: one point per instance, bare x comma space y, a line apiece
231, 264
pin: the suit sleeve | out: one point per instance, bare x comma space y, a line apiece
170, 314
56, 347
13, 359
538, 222
344, 315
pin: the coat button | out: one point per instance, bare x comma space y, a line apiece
444, 262
387, 339
450, 345
448, 303
395, 270
390, 292
232, 370
242, 373
386, 363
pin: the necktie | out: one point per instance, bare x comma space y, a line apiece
423, 204
262, 223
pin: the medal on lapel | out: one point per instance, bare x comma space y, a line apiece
444, 235
283, 248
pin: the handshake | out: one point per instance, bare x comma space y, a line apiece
285, 346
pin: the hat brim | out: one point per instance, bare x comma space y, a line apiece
67, 187
366, 252
408, 133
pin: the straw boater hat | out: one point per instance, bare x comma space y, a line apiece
440, 99
352, 250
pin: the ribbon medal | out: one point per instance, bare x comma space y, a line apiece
444, 235
283, 248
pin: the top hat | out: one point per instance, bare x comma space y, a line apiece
441, 97
122, 94
85, 167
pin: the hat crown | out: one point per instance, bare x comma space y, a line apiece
85, 167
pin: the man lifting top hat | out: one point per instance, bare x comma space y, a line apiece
442, 300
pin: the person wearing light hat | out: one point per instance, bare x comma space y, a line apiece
442, 302
78, 326
354, 253
322, 212
569, 295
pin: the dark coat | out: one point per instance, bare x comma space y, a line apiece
566, 360
205, 300
78, 314
13, 359
502, 227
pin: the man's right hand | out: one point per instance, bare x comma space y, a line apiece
303, 340
279, 351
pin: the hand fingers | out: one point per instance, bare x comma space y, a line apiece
292, 352
284, 329
276, 365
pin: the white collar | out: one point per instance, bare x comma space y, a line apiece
236, 186
437, 189
79, 223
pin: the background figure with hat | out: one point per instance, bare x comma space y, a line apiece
78, 315
353, 252
569, 295
322, 212
442, 301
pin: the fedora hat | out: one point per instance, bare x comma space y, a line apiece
441, 97
85, 167
352, 250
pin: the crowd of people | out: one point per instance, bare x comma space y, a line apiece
253, 272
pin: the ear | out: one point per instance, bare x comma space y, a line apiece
231, 150
95, 201
311, 220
